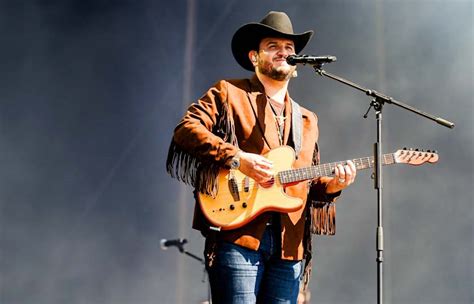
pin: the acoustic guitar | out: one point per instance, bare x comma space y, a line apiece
240, 199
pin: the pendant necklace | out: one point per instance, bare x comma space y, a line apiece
279, 116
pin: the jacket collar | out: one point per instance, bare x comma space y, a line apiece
264, 114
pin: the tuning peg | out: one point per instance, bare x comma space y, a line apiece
405, 148
429, 151
416, 149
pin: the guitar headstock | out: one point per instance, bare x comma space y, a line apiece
415, 157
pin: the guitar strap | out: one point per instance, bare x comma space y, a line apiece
296, 123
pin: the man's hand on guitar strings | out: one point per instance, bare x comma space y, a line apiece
256, 167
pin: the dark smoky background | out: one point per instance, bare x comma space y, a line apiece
90, 92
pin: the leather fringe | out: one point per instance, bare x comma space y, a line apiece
195, 170
189, 169
308, 251
323, 218
322, 214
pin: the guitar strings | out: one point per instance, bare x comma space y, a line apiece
293, 175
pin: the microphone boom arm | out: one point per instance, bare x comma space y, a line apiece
179, 244
381, 97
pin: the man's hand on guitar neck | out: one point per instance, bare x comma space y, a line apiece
343, 177
255, 166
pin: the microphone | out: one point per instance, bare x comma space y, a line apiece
170, 243
308, 59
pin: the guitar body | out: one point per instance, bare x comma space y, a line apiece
239, 199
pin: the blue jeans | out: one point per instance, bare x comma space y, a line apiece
241, 275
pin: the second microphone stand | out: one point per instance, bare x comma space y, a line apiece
201, 260
377, 104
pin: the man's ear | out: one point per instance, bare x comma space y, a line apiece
253, 56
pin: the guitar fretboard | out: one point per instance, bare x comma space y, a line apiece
296, 175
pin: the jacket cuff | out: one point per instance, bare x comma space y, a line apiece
331, 197
318, 192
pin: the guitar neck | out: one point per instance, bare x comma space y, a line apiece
300, 174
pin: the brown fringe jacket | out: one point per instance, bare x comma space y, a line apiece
233, 115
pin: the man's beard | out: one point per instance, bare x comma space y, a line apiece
267, 69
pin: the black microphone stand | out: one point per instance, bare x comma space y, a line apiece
181, 249
377, 103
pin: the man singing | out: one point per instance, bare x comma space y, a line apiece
233, 126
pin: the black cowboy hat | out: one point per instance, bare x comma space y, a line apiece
275, 25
